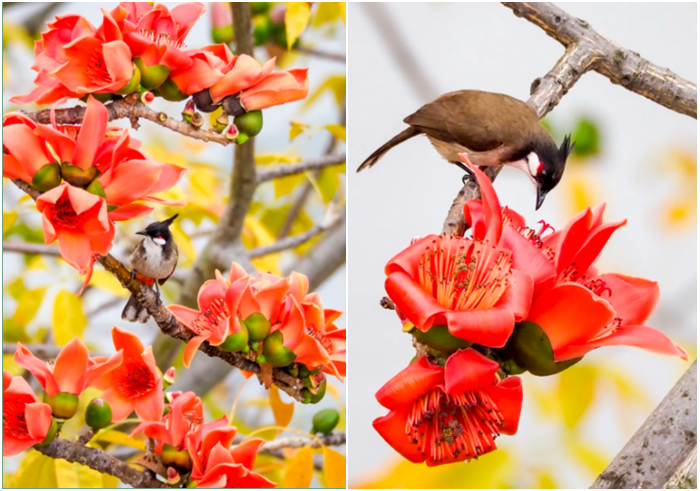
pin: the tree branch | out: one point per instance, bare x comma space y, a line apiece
101, 461
334, 439
308, 50
30, 248
296, 240
621, 66
43, 351
662, 444
131, 108
288, 170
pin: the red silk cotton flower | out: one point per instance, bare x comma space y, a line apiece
25, 420
453, 414
136, 385
469, 284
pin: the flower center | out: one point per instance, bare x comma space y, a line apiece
211, 316
134, 379
13, 418
97, 69
464, 426
535, 238
318, 336
464, 274
160, 38
64, 214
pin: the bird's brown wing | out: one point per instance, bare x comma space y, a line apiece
480, 121
177, 254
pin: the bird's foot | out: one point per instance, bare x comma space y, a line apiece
133, 274
468, 177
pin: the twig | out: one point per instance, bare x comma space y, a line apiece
622, 66
169, 325
30, 248
288, 170
101, 461
662, 444
331, 440
295, 240
130, 108
308, 50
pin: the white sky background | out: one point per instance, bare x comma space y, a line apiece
484, 46
273, 139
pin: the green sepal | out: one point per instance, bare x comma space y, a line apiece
258, 327
76, 176
153, 76
63, 405
48, 177
325, 421
303, 371
275, 352
170, 91
236, 342
133, 84
250, 123
242, 138
102, 97
98, 414
440, 339
95, 187
531, 349
320, 392
179, 459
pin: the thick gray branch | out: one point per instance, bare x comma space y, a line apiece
620, 65
662, 444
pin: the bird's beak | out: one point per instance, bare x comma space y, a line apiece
540, 198
142, 232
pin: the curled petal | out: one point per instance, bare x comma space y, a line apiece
507, 395
633, 299
467, 370
392, 428
410, 383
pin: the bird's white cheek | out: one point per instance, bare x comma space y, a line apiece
533, 164
160, 242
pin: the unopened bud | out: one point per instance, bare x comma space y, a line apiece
197, 120
64, 405
46, 178
98, 414
147, 97
221, 122
231, 133
325, 421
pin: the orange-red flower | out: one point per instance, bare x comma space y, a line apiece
136, 385
25, 420
442, 415
278, 88
73, 371
186, 417
468, 284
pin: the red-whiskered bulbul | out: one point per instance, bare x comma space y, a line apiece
153, 261
494, 129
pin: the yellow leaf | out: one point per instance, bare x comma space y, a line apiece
297, 128
8, 220
8, 363
335, 84
28, 306
280, 158
35, 471
333, 468
106, 281
120, 438
296, 18
546, 481
590, 457
300, 470
343, 12
283, 412
254, 234
327, 12
337, 131
575, 391
68, 318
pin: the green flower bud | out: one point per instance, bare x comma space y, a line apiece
306, 396
179, 459
222, 34
221, 122
320, 392
236, 342
250, 123
276, 353
98, 414
95, 187
246, 350
64, 405
133, 84
77, 176
50, 435
48, 177
261, 359
294, 370
153, 76
171, 92
325, 421
440, 338
531, 350
257, 8
258, 327
303, 371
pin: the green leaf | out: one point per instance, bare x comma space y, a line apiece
296, 18
587, 138
68, 318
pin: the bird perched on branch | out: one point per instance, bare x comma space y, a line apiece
153, 261
494, 129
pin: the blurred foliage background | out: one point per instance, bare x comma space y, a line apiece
638, 157
39, 302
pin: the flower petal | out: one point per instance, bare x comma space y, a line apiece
39, 420
493, 221
411, 300
24, 358
410, 383
184, 314
121, 407
633, 299
150, 407
490, 327
467, 370
71, 367
245, 453
92, 133
130, 343
191, 349
392, 428
507, 395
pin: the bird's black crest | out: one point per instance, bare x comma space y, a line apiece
170, 220
567, 146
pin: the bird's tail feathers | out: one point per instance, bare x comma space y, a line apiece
134, 311
409, 132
